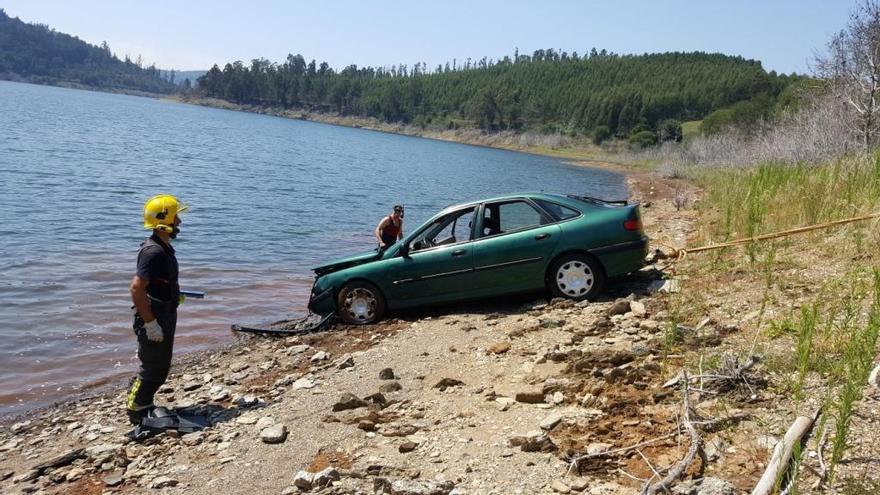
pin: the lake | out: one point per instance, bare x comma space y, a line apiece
269, 199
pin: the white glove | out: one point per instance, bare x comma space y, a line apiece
154, 331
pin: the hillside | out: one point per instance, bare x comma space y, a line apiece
548, 91
38, 54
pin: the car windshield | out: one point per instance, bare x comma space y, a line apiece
448, 229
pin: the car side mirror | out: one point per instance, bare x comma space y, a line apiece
404, 250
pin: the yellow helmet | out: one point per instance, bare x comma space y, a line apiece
160, 212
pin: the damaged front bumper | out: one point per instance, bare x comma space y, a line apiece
322, 302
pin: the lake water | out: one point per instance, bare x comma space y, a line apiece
269, 198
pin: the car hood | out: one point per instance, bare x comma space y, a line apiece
348, 261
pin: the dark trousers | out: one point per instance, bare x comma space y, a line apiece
155, 358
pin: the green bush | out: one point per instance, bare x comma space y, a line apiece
670, 130
601, 134
643, 139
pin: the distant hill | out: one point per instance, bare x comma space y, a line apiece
179, 76
549, 90
35, 53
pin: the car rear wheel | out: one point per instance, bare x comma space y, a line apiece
360, 303
576, 277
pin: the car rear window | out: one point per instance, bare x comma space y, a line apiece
558, 211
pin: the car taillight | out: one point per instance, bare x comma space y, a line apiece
633, 225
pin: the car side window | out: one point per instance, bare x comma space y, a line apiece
557, 210
499, 218
450, 229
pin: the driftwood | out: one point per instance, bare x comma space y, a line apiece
779, 461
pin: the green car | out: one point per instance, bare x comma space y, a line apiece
567, 245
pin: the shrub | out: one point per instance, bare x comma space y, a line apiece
601, 134
643, 139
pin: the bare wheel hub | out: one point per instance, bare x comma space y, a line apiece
574, 279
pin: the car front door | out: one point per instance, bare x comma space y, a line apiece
438, 266
513, 247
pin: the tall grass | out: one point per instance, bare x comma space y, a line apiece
776, 196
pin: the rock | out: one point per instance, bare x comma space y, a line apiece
219, 394
619, 307
499, 347
638, 309
579, 484
325, 477
535, 441
530, 396
386, 374
366, 425
598, 447
74, 474
445, 383
190, 386
113, 479
162, 482
297, 349
407, 447
246, 419
247, 401
715, 486
551, 421
274, 434
192, 439
421, 487
303, 480
557, 398
346, 362
559, 487
303, 383
29, 475
17, 428
390, 387
265, 422
60, 460
319, 356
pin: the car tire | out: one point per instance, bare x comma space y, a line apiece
576, 277
360, 303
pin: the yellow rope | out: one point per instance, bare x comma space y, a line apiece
680, 254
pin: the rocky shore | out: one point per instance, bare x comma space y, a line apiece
506, 397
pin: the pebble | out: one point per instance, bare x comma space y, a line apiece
499, 347
162, 482
560, 487
346, 362
390, 387
407, 447
246, 420
551, 421
386, 374
303, 383
303, 480
638, 309
319, 356
274, 434
349, 401
192, 439
265, 422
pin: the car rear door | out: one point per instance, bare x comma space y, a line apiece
514, 245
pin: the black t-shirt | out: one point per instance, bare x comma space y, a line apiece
156, 262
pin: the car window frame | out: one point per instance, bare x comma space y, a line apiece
544, 216
474, 208
559, 220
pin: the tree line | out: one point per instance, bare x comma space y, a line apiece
549, 90
35, 53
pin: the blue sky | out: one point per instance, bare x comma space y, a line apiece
783, 34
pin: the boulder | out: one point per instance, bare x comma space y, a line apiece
386, 374
349, 401
304, 480
551, 421
274, 434
499, 347
325, 477
445, 383
162, 482
407, 447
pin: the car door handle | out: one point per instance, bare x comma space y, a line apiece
458, 252
541, 237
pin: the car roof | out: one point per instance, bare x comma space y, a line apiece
532, 195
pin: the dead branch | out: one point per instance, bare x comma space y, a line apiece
732, 373
798, 432
577, 460
696, 446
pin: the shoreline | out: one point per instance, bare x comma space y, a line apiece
579, 155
